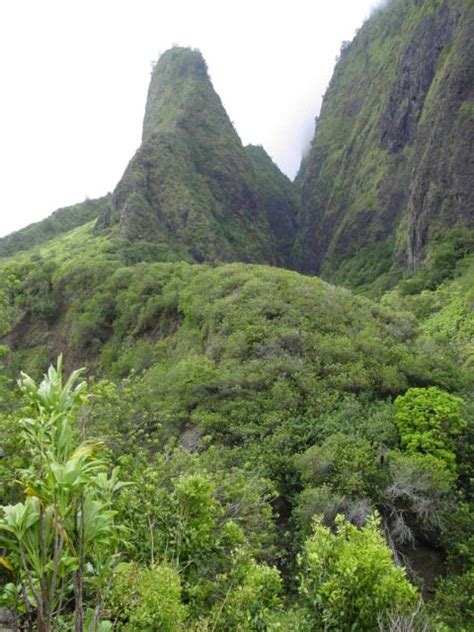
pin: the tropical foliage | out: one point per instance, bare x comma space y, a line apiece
297, 455
62, 538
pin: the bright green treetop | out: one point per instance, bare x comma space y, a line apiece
349, 580
429, 420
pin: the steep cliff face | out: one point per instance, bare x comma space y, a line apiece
191, 184
442, 188
391, 160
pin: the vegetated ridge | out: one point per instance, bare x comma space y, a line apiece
59, 222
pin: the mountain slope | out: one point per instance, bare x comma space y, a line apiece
243, 400
391, 160
258, 326
278, 196
59, 222
191, 182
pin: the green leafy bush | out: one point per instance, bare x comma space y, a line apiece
252, 599
63, 535
429, 420
348, 578
147, 599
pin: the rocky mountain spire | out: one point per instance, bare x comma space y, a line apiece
191, 186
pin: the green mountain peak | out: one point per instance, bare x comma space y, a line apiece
178, 79
191, 186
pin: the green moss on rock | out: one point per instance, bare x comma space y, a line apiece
391, 157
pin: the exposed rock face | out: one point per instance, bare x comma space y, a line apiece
415, 73
442, 186
191, 184
391, 159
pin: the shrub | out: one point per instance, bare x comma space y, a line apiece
428, 420
349, 581
63, 536
252, 600
455, 601
147, 598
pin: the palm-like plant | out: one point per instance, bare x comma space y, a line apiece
64, 535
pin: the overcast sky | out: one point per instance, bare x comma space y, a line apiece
74, 77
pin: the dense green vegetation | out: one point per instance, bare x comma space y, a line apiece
240, 402
247, 448
61, 221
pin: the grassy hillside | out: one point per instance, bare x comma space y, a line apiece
61, 221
